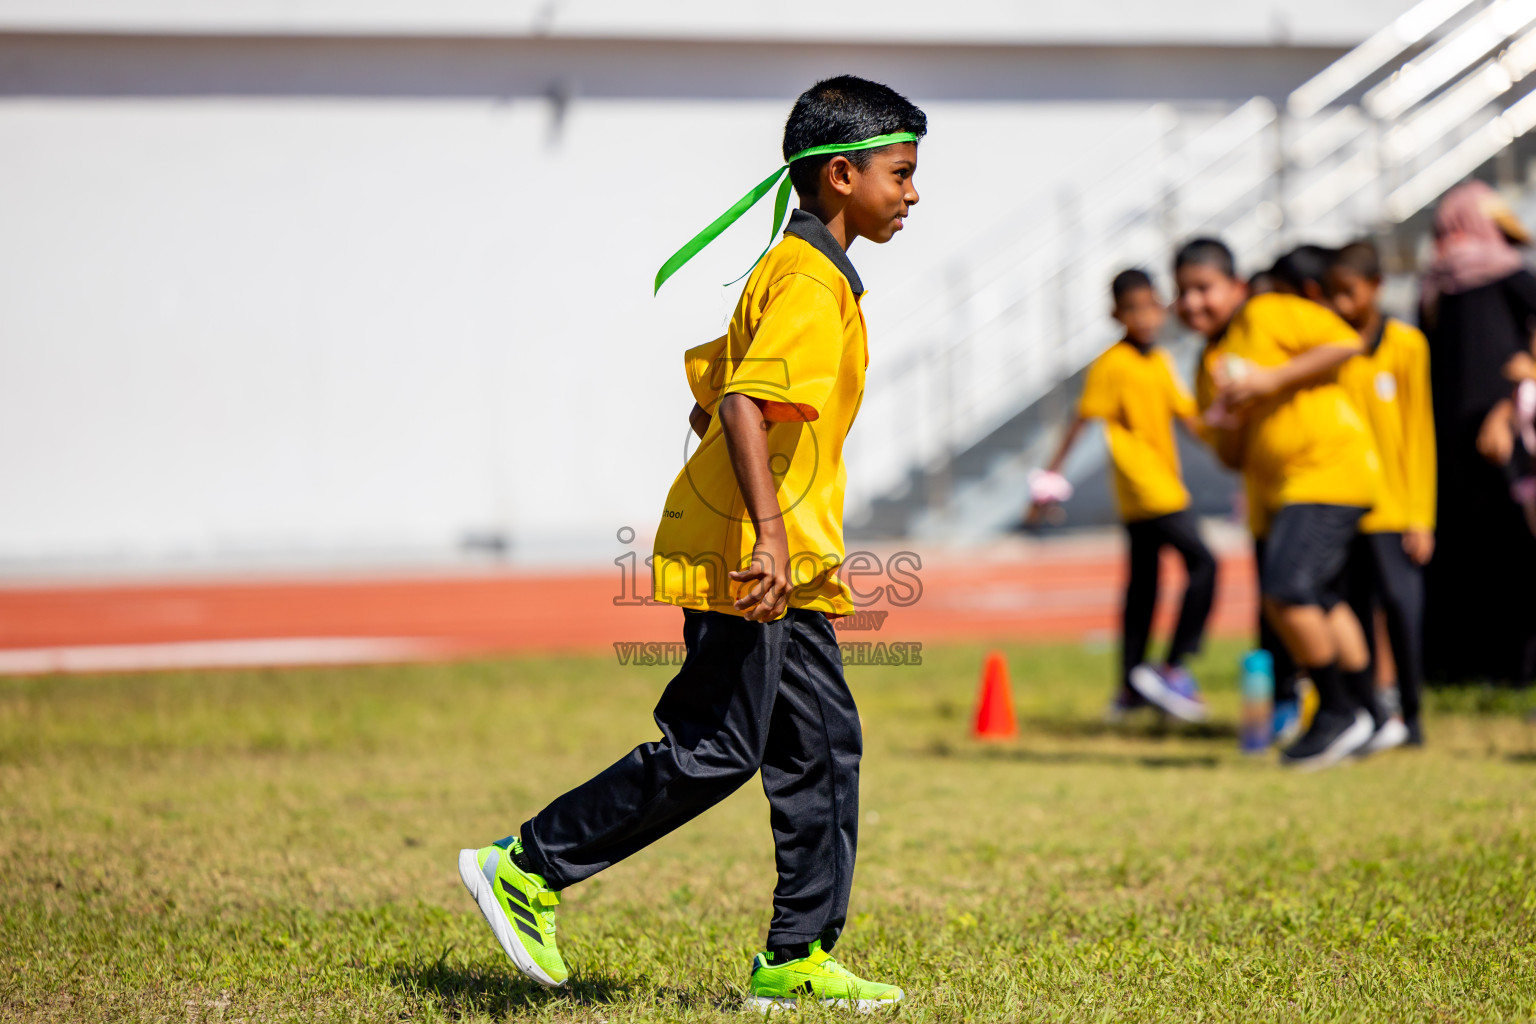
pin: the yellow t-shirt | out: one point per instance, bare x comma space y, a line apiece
798, 341
1304, 445
1390, 387
1205, 396
1137, 395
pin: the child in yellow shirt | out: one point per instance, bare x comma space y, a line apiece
748, 548
1276, 411
1134, 390
1389, 384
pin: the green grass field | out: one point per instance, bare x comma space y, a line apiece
264, 845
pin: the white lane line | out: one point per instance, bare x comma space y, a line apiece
340, 650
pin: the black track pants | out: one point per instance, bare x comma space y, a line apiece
1181, 531
749, 696
1381, 573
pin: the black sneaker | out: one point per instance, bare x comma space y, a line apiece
1415, 734
1333, 736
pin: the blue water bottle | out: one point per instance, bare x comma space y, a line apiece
1258, 687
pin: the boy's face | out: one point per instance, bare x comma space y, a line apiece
1141, 314
1207, 298
880, 196
1353, 296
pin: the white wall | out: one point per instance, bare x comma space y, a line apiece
1136, 22
401, 301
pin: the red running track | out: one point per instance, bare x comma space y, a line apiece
1066, 592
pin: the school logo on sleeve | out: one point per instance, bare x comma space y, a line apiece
1386, 386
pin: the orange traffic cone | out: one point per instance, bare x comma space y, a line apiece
994, 708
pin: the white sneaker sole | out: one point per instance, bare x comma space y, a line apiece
767, 1004
1145, 681
1393, 734
485, 898
1346, 743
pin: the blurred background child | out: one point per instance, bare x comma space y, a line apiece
1275, 411
1134, 389
1389, 384
1299, 272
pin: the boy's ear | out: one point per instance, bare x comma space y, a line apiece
839, 174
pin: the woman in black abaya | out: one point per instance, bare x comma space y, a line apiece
1478, 309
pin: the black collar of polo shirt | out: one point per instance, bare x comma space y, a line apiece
808, 227
1374, 342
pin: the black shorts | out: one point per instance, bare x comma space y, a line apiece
1306, 553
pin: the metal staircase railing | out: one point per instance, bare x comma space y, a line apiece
1024, 309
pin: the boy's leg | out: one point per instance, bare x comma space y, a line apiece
714, 717
1354, 658
1360, 585
1140, 597
1269, 637
1351, 620
1383, 664
1182, 530
1401, 585
811, 777
1306, 554
1172, 691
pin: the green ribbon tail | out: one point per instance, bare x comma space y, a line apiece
725, 220
780, 205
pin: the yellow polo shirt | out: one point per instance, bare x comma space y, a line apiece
1137, 394
796, 340
1205, 396
1390, 387
1305, 445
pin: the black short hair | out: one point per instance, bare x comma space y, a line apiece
1261, 283
844, 109
1205, 252
1303, 264
1127, 281
1359, 258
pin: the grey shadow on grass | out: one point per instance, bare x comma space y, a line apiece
474, 990
470, 990
1156, 728
1024, 755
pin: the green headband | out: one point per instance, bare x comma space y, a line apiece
780, 204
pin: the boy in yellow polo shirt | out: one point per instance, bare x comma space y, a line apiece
1276, 411
1135, 391
748, 546
1389, 384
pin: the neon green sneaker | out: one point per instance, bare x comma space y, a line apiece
817, 977
519, 907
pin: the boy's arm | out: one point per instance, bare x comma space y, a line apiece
1186, 410
1074, 428
1228, 444
698, 419
1300, 370
1221, 427
746, 438
1496, 438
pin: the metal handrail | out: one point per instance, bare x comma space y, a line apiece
1449, 57
1409, 28
1249, 120
985, 376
